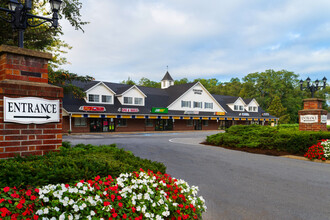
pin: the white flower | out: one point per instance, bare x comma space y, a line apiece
39, 212
138, 208
92, 213
46, 211
62, 216
46, 199
75, 208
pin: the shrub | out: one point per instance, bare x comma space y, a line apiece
284, 138
71, 165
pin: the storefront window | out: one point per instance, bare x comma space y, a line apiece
80, 122
149, 123
190, 122
205, 123
122, 122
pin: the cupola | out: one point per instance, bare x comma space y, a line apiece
167, 81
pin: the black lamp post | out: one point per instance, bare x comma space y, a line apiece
20, 16
313, 87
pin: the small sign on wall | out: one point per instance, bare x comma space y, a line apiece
324, 118
31, 110
309, 118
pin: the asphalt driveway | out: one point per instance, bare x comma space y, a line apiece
235, 185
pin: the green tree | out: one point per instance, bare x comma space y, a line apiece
181, 81
148, 83
43, 37
277, 109
129, 81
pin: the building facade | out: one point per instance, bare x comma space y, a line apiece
113, 107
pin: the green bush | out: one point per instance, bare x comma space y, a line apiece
71, 165
284, 138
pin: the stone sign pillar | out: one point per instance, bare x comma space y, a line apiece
313, 117
30, 108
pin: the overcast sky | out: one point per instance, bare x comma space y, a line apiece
200, 39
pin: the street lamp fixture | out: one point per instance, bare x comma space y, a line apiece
313, 87
20, 16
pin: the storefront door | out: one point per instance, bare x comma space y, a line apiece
96, 125
198, 124
164, 125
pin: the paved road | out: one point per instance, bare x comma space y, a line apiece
236, 185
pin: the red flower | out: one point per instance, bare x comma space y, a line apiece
124, 216
33, 197
28, 193
19, 206
133, 209
120, 205
114, 215
1, 200
119, 197
97, 178
106, 203
35, 217
6, 189
36, 190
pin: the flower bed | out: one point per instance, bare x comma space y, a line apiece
320, 151
137, 195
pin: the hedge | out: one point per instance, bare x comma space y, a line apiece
71, 165
282, 138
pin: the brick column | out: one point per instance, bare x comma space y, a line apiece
23, 73
313, 108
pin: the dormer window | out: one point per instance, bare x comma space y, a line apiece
93, 98
106, 98
208, 105
253, 108
138, 101
238, 108
128, 100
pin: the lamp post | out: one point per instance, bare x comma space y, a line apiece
20, 16
313, 87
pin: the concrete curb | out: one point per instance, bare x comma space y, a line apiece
304, 158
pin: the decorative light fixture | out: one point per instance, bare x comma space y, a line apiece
20, 16
311, 87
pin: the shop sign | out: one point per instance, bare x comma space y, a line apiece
324, 118
309, 118
92, 108
31, 110
265, 114
198, 91
159, 110
133, 110
191, 112
244, 114
219, 113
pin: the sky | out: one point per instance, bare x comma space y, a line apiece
218, 39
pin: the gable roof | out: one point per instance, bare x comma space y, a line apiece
167, 77
123, 90
99, 83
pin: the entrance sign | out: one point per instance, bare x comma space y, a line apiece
31, 110
309, 118
159, 110
324, 118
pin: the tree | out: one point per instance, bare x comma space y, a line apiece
43, 37
129, 81
148, 83
276, 109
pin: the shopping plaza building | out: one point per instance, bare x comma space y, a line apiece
114, 107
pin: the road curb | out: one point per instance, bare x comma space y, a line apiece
304, 158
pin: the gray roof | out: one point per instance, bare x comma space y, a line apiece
167, 77
156, 97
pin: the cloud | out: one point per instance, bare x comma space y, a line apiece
199, 38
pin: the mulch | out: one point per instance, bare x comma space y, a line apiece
271, 152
